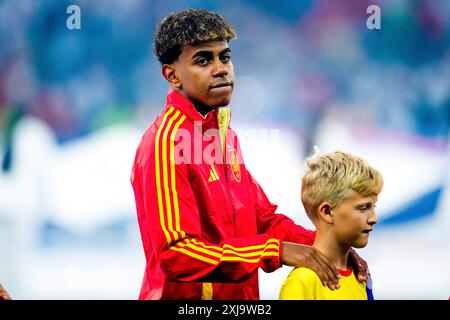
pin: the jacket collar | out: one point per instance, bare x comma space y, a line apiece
177, 100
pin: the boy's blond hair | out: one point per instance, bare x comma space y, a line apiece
330, 177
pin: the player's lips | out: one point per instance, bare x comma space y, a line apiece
221, 85
367, 230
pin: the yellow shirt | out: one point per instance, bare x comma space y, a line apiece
304, 284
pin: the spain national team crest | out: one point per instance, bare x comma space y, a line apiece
235, 168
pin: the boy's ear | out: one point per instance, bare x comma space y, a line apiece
325, 213
169, 73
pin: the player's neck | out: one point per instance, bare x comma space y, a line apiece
202, 108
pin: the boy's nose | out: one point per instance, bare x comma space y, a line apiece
219, 69
373, 218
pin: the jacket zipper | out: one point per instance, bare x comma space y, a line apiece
227, 187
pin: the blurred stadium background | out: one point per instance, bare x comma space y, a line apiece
74, 103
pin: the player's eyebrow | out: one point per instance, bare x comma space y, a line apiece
203, 53
209, 54
226, 50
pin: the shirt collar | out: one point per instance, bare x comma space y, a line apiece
174, 98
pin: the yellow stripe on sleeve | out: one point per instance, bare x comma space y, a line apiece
178, 232
158, 175
165, 174
194, 255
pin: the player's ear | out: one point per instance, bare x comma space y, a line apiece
169, 73
325, 212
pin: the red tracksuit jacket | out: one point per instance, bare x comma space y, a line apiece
206, 224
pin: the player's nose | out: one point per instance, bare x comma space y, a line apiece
219, 68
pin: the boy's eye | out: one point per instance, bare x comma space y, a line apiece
202, 62
225, 58
366, 207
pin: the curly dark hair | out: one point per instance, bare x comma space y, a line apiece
189, 27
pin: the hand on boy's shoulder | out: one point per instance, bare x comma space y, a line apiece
298, 255
359, 265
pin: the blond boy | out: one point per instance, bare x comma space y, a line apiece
339, 192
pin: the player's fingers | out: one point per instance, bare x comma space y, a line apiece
324, 276
363, 272
325, 273
362, 269
325, 260
330, 271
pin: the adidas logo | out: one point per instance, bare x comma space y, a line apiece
213, 176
